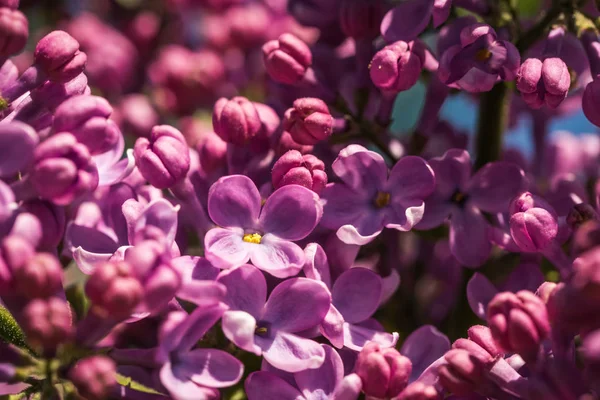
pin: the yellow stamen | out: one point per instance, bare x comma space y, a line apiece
252, 238
458, 197
382, 199
483, 55
261, 331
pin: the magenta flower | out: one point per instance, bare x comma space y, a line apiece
370, 198
245, 232
272, 327
462, 198
187, 373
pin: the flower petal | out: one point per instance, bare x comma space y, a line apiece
480, 292
436, 211
348, 389
17, 144
345, 206
224, 248
246, 289
211, 367
411, 178
239, 327
179, 385
422, 356
279, 258
470, 237
316, 266
356, 336
493, 187
403, 214
291, 212
452, 172
361, 169
320, 382
86, 261
297, 304
356, 294
160, 214
407, 20
291, 353
267, 386
332, 327
111, 174
234, 201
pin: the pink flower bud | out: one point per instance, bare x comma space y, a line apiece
58, 55
13, 4
482, 335
287, 143
360, 19
212, 152
309, 121
40, 277
543, 82
14, 31
236, 120
63, 169
136, 115
419, 391
545, 291
397, 67
164, 159
14, 253
462, 374
94, 377
533, 222
519, 322
113, 290
384, 372
293, 168
287, 59
47, 323
590, 102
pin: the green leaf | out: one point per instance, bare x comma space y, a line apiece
78, 300
10, 331
128, 382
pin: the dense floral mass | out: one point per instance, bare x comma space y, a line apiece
209, 199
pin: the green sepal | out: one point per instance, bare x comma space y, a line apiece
128, 382
10, 331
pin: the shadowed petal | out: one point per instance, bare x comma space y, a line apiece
411, 178
422, 356
314, 383
234, 201
291, 212
181, 387
356, 336
361, 169
407, 20
356, 294
115, 173
279, 258
246, 289
211, 367
267, 386
452, 172
480, 292
493, 187
470, 237
291, 353
86, 261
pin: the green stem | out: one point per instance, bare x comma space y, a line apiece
493, 112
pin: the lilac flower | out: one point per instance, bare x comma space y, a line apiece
325, 382
264, 236
370, 197
272, 327
462, 198
187, 373
479, 61
356, 295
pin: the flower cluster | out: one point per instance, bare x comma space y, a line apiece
205, 199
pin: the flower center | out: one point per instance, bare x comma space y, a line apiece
459, 198
252, 238
483, 55
261, 329
382, 199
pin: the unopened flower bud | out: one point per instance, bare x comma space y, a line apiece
287, 59
164, 159
58, 55
519, 322
463, 372
212, 152
40, 277
94, 377
136, 115
13, 4
113, 290
397, 67
309, 121
47, 323
543, 82
14, 253
14, 31
590, 102
384, 372
293, 168
533, 222
586, 237
482, 335
419, 391
236, 120
63, 169
360, 19
17, 144
286, 143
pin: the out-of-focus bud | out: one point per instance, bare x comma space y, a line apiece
384, 372
63, 169
52, 220
113, 290
419, 391
13, 4
309, 121
545, 291
586, 237
58, 56
463, 372
533, 222
519, 322
14, 253
236, 120
360, 19
14, 31
136, 115
285, 142
86, 117
580, 214
248, 24
270, 123
94, 377
287, 59
40, 277
482, 335
397, 67
17, 144
293, 168
164, 159
212, 152
47, 323
543, 82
